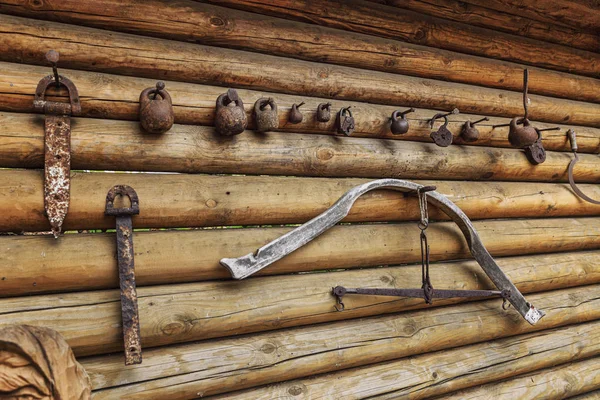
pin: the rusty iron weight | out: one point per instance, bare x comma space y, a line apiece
57, 144
129, 307
251, 263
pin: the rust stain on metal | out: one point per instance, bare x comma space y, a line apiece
57, 145
129, 307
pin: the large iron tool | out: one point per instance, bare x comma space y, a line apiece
249, 264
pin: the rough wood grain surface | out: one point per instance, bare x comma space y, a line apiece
121, 145
584, 15
425, 30
190, 21
91, 321
195, 104
434, 374
212, 367
560, 382
26, 41
186, 200
32, 264
502, 20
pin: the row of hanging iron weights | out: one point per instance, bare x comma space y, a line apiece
156, 116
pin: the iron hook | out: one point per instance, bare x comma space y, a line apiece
52, 57
442, 115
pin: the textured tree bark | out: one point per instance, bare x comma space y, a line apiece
186, 200
435, 374
123, 146
90, 321
422, 29
190, 21
27, 41
504, 18
560, 382
46, 265
183, 371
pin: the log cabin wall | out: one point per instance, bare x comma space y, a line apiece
278, 335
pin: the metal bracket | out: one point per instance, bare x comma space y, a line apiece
57, 145
249, 264
129, 307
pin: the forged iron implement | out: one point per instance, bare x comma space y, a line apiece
536, 154
525, 135
295, 116
442, 137
249, 264
324, 112
345, 121
469, 133
57, 144
426, 292
573, 140
230, 116
156, 109
399, 126
129, 307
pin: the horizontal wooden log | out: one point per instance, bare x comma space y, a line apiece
560, 382
28, 40
248, 31
195, 104
186, 200
35, 264
594, 395
412, 27
502, 20
435, 374
580, 14
91, 321
120, 145
211, 367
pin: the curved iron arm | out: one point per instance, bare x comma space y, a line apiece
249, 264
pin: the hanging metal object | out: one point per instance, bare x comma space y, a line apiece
399, 124
57, 144
295, 116
324, 112
266, 119
442, 137
524, 135
129, 307
251, 263
426, 292
469, 133
345, 121
156, 109
230, 116
573, 140
536, 154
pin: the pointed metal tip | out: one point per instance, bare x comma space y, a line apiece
56, 232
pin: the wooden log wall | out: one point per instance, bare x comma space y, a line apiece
204, 197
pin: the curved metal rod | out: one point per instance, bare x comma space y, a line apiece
249, 264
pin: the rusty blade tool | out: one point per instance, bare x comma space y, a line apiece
573, 140
57, 144
129, 306
249, 264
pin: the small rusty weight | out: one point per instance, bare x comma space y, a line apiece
324, 112
536, 154
468, 132
266, 119
129, 306
399, 123
521, 133
230, 117
57, 144
156, 109
345, 121
295, 116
